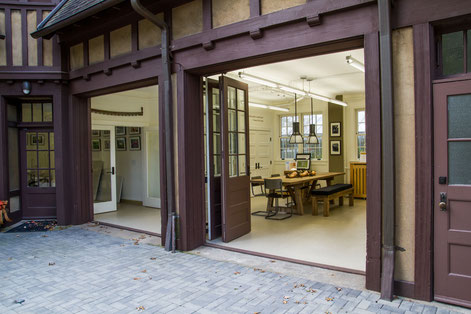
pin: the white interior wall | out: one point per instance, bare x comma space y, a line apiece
130, 164
272, 122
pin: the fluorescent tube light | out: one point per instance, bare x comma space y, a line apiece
255, 79
251, 104
355, 63
291, 90
320, 97
278, 108
338, 102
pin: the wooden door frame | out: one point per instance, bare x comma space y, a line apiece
370, 43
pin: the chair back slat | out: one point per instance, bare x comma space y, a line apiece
273, 184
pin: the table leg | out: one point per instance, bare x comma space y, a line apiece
299, 200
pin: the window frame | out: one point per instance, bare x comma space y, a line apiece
357, 132
443, 30
319, 145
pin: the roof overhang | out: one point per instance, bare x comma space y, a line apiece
43, 30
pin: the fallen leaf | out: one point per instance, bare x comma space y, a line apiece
140, 308
136, 278
52, 264
329, 299
297, 302
153, 258
327, 312
339, 289
144, 271
19, 301
286, 297
285, 302
305, 302
301, 285
237, 273
136, 243
311, 290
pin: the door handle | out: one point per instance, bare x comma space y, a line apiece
443, 202
112, 171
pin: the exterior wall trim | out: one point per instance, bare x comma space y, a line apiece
424, 162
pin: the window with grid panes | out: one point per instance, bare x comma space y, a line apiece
361, 132
40, 157
287, 150
314, 149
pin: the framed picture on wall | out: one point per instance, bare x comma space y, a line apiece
105, 133
335, 148
134, 143
106, 144
96, 145
335, 129
134, 130
95, 133
120, 130
120, 143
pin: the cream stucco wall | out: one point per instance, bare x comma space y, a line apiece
269, 6
76, 56
96, 49
31, 18
16, 37
404, 116
149, 34
187, 19
47, 47
230, 11
120, 41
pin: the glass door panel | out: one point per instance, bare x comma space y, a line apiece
104, 169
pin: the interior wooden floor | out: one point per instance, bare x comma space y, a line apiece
338, 240
133, 216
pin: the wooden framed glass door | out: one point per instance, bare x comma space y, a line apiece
452, 195
236, 217
104, 169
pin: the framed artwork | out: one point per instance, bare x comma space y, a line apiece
134, 130
335, 148
120, 130
106, 144
96, 144
134, 143
96, 133
335, 129
120, 143
105, 133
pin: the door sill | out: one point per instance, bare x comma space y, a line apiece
450, 300
286, 259
127, 228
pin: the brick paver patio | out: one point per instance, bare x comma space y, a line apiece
81, 271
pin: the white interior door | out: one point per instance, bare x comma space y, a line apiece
151, 168
104, 169
260, 153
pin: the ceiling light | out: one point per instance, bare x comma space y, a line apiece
296, 137
338, 102
291, 90
251, 104
320, 97
278, 108
312, 139
355, 63
255, 79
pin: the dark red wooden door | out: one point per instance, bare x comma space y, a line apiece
235, 162
452, 194
214, 142
38, 176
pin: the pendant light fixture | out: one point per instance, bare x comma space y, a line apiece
296, 137
312, 139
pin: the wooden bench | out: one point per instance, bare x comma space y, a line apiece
329, 193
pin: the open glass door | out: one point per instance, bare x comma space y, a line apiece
104, 169
152, 168
235, 162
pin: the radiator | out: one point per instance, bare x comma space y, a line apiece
358, 179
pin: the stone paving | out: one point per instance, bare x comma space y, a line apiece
81, 271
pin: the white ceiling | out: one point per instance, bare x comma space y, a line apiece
330, 73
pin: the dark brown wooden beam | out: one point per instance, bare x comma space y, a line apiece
255, 8
207, 15
373, 171
423, 56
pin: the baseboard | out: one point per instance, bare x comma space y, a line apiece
404, 288
137, 203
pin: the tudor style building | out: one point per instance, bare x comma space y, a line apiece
56, 56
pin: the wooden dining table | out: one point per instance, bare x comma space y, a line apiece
294, 187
